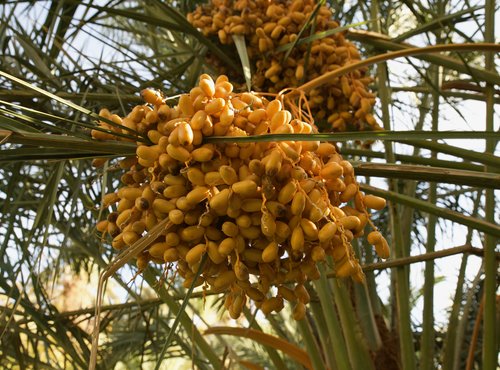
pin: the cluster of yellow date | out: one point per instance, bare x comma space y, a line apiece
264, 213
345, 103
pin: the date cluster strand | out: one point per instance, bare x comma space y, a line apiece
265, 213
344, 104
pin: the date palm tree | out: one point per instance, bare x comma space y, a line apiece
62, 61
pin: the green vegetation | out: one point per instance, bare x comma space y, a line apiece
62, 61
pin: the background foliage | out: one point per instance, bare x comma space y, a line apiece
101, 53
